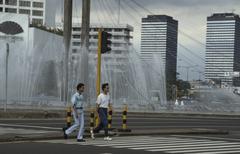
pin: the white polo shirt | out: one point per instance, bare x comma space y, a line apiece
103, 100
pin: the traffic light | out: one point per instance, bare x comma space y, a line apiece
106, 42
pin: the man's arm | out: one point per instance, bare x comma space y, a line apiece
98, 102
74, 105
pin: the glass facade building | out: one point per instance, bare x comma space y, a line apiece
223, 48
159, 36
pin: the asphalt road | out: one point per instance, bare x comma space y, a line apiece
134, 122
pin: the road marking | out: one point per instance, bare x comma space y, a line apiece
28, 126
176, 149
219, 152
206, 137
171, 144
204, 150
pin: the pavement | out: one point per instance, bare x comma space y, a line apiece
19, 134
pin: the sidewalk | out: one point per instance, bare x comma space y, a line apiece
17, 134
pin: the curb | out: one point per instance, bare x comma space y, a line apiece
58, 135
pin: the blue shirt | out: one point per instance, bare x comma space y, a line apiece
77, 100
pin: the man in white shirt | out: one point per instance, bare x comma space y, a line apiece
103, 103
78, 114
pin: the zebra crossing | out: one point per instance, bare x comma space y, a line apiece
164, 144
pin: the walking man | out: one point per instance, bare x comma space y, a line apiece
78, 114
103, 103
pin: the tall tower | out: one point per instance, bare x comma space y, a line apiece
159, 36
223, 47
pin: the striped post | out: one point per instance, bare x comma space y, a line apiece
110, 118
69, 117
124, 118
91, 120
96, 119
124, 121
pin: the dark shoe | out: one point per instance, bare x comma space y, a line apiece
81, 140
65, 136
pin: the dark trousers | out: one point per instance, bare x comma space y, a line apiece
102, 112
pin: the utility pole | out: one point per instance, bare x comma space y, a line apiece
119, 9
85, 43
85, 23
67, 32
6, 84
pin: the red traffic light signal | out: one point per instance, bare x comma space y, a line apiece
106, 42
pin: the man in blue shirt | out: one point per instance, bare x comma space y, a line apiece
78, 114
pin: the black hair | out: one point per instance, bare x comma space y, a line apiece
104, 85
80, 85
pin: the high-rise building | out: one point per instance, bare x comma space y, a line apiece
34, 8
223, 47
120, 37
159, 36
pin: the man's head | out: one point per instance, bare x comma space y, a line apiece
80, 87
105, 88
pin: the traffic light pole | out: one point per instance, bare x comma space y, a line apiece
99, 61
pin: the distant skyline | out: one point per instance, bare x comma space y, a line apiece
191, 15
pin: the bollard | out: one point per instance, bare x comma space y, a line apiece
69, 117
96, 119
110, 118
124, 118
124, 121
91, 120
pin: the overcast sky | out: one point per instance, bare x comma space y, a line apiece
191, 15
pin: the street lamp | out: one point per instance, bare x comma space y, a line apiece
10, 29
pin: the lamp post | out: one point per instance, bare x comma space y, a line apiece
10, 29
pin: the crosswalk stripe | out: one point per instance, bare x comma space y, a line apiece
210, 150
172, 144
180, 146
112, 143
152, 146
219, 152
197, 149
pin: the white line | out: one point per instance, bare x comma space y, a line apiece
152, 146
126, 142
180, 146
27, 126
206, 137
210, 150
185, 150
219, 152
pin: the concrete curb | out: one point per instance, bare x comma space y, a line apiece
59, 135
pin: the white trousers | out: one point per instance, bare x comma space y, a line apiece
79, 121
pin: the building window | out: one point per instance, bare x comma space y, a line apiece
10, 10
11, 2
38, 4
76, 29
1, 1
23, 11
95, 37
76, 36
108, 29
117, 37
74, 50
25, 3
76, 43
37, 13
1, 9
37, 21
118, 30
